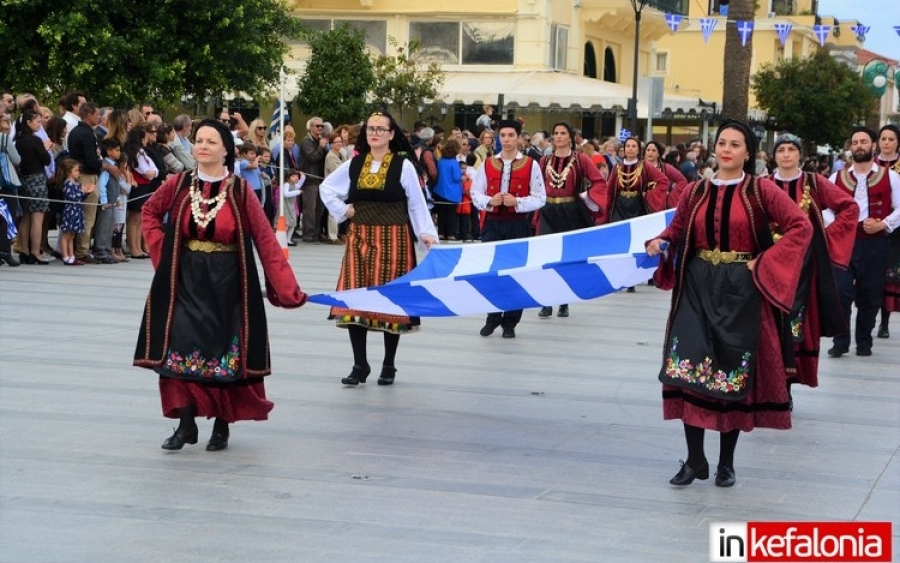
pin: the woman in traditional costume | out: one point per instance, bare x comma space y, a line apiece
833, 214
204, 329
567, 174
653, 157
723, 367
888, 139
379, 191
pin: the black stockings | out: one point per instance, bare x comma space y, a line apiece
358, 343
693, 435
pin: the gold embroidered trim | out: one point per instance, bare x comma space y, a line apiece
377, 180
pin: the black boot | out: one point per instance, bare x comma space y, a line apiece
563, 311
545, 312
218, 441
357, 375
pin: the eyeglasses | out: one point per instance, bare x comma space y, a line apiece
146, 113
261, 128
318, 125
151, 130
377, 131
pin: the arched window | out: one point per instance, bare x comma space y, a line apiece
590, 60
609, 66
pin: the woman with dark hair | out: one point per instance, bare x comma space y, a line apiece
204, 325
378, 191
653, 156
833, 214
35, 156
888, 138
144, 170
165, 134
565, 172
723, 362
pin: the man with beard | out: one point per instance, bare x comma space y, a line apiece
876, 190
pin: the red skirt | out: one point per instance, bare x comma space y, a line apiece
230, 402
891, 297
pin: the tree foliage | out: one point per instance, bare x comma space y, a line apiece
402, 80
817, 98
120, 51
737, 59
338, 75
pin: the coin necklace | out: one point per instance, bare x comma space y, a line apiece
215, 204
558, 179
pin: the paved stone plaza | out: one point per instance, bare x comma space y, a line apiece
547, 448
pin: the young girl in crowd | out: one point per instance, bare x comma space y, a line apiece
72, 221
290, 191
120, 211
464, 209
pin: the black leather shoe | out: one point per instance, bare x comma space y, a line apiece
724, 476
883, 331
860, 351
357, 375
630, 290
387, 376
686, 474
218, 441
177, 440
509, 332
838, 351
563, 311
8, 258
488, 329
545, 312
26, 258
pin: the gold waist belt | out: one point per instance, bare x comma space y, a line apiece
560, 199
209, 246
629, 193
717, 256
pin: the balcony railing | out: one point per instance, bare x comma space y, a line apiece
670, 6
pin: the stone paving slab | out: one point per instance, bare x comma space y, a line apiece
548, 448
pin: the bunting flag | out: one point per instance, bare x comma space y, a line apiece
278, 113
707, 25
860, 30
745, 29
822, 32
456, 280
624, 135
673, 21
897, 29
783, 30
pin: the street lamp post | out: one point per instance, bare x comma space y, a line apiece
638, 7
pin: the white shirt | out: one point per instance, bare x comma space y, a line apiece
72, 121
861, 195
336, 187
536, 198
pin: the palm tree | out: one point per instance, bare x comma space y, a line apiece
736, 78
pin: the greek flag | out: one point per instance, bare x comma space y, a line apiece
673, 21
624, 135
860, 30
783, 30
516, 274
707, 25
278, 113
745, 29
822, 32
897, 29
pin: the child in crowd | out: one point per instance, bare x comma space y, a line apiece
290, 191
269, 182
247, 167
464, 209
68, 171
120, 212
108, 188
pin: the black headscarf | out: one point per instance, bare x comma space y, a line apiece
227, 140
659, 148
749, 139
892, 128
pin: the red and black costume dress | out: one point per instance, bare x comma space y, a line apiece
677, 182
723, 367
891, 300
564, 180
817, 307
633, 190
204, 325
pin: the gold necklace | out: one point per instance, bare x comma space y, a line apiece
215, 204
558, 179
628, 180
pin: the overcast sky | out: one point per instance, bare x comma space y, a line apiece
880, 15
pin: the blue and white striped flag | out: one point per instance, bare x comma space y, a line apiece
707, 25
822, 32
516, 274
783, 30
275, 125
624, 135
